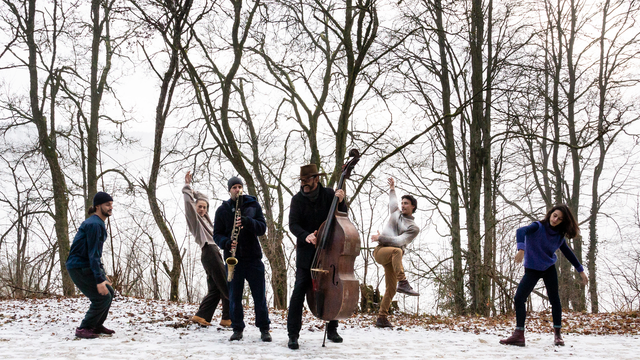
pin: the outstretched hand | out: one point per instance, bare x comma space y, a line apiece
392, 184
375, 237
187, 178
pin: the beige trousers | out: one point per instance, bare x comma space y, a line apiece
391, 259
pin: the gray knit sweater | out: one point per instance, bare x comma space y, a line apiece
201, 227
400, 230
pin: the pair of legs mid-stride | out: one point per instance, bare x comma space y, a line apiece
526, 286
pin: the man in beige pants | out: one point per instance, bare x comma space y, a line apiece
399, 232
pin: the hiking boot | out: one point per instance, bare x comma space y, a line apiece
405, 288
225, 323
199, 320
557, 338
86, 333
100, 329
383, 322
332, 334
264, 335
517, 338
293, 343
237, 335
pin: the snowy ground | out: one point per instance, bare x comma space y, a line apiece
145, 329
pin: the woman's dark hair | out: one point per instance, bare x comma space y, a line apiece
569, 226
91, 210
413, 200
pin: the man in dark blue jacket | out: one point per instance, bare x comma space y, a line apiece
249, 255
309, 209
86, 270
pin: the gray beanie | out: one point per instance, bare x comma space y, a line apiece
233, 181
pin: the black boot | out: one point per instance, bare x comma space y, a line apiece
293, 343
332, 334
264, 335
237, 335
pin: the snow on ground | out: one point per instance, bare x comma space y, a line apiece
147, 329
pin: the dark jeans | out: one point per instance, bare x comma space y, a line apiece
216, 283
251, 270
526, 286
294, 318
100, 304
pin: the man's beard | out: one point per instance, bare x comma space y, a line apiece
105, 214
306, 188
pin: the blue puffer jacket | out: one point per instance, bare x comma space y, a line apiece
253, 225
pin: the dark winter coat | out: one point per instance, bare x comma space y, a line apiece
86, 249
305, 217
253, 225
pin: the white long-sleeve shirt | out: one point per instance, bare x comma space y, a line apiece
400, 229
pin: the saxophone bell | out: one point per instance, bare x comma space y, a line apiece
231, 264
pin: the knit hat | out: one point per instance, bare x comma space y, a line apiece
233, 181
101, 198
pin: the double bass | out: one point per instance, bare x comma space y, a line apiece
335, 291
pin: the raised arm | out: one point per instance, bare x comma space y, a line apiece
393, 199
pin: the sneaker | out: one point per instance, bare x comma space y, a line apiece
383, 322
225, 323
197, 319
293, 343
405, 288
86, 333
237, 335
100, 329
264, 335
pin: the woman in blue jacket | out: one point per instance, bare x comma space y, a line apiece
537, 245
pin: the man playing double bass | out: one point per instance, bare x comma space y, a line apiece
309, 209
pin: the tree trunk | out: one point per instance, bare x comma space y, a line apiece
47, 142
475, 161
452, 167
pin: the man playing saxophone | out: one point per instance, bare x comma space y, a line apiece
251, 223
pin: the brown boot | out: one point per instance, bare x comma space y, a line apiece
225, 323
383, 322
517, 338
199, 320
405, 288
557, 338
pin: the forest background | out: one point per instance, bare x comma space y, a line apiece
489, 112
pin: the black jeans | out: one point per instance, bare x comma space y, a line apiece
251, 270
294, 318
100, 304
216, 283
526, 286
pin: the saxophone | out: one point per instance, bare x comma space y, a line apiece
231, 260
